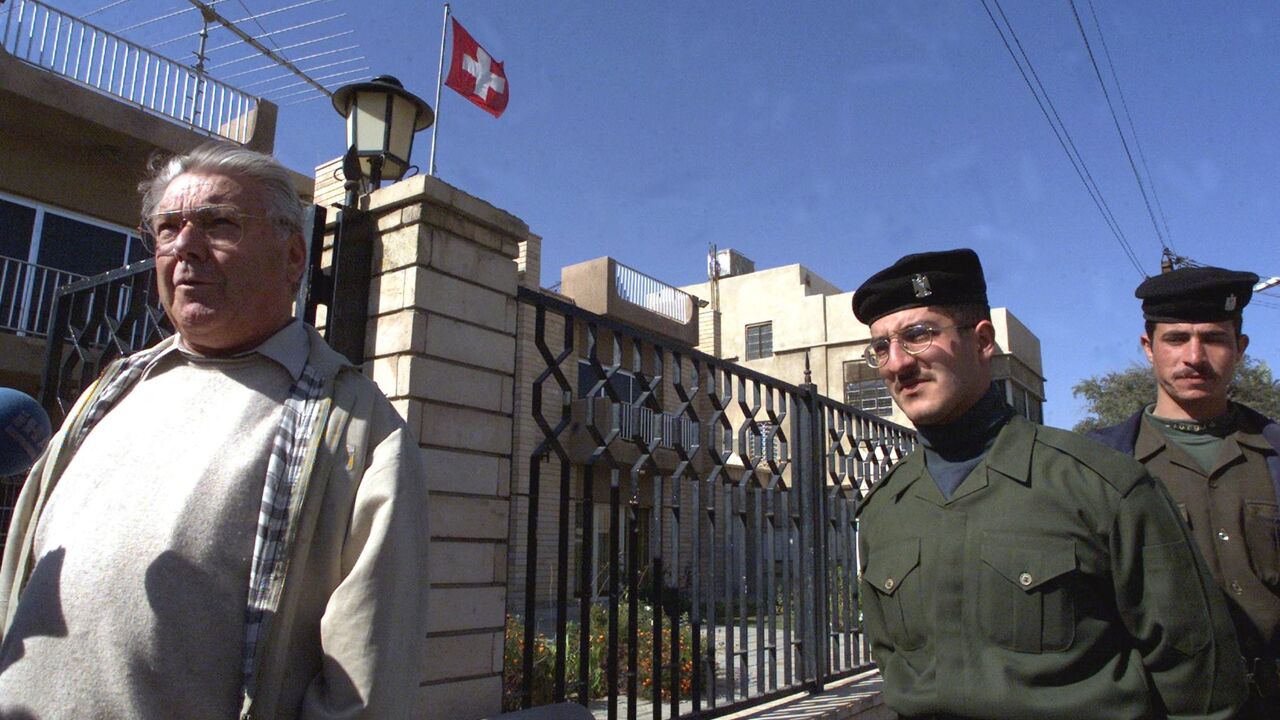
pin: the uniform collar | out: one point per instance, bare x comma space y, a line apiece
1010, 457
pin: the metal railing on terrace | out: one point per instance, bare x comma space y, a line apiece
652, 294
26, 295
80, 51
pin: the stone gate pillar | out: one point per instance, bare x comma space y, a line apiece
441, 345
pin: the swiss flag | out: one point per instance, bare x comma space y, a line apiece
476, 75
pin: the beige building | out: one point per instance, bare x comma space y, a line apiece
770, 320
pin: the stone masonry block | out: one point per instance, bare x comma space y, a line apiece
466, 608
459, 385
465, 429
434, 191
386, 372
452, 340
402, 247
460, 258
459, 516
448, 296
400, 332
466, 656
463, 700
388, 292
411, 411
469, 473
464, 562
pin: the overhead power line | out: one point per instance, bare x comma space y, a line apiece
1133, 130
1059, 128
1142, 187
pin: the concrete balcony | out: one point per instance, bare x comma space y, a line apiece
607, 287
83, 110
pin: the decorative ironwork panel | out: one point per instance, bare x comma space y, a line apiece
702, 525
95, 321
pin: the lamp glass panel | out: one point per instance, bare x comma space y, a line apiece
403, 116
370, 123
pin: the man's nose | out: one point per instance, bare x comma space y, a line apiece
898, 358
189, 242
1195, 352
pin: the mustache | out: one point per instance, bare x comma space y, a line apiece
903, 378
1206, 372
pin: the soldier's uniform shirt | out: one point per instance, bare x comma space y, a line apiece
1235, 520
1057, 582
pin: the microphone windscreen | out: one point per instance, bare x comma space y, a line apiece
24, 431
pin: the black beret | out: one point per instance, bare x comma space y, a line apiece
947, 277
1196, 294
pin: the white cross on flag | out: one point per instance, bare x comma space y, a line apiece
476, 75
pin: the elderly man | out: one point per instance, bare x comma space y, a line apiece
1012, 570
230, 523
1220, 460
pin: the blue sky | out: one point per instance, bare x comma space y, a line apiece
842, 135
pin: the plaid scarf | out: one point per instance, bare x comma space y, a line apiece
285, 470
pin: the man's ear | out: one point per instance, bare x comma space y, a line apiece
1146, 348
1242, 344
985, 332
297, 257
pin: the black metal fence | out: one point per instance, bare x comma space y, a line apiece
686, 567
95, 321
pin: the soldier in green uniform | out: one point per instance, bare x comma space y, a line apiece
1220, 460
1011, 570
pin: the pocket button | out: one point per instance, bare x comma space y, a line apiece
888, 584
1025, 579
1223, 536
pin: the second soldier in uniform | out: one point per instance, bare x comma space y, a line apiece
1219, 459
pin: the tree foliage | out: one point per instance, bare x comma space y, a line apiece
1115, 396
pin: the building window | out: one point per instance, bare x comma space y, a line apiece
42, 248
1023, 401
759, 341
864, 389
624, 384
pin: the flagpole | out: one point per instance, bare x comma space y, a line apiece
444, 28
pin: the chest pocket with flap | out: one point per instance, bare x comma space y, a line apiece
1025, 598
894, 572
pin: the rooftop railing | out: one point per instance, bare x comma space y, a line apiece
26, 295
652, 294
80, 51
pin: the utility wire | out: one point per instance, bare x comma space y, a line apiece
1133, 130
1060, 130
1116, 119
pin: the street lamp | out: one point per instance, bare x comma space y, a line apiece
382, 118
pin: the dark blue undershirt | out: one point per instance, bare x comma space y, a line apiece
952, 450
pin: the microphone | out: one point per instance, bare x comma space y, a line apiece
24, 431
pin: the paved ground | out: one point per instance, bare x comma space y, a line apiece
852, 695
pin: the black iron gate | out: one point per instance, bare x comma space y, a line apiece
727, 502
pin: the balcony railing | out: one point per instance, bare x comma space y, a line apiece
641, 423
26, 295
90, 56
652, 294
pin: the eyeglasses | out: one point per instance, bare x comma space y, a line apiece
913, 339
222, 226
